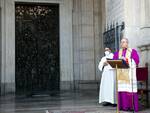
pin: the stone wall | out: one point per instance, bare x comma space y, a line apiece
81, 44
8, 43
114, 11
132, 21
144, 39
87, 40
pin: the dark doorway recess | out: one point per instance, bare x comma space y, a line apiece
37, 48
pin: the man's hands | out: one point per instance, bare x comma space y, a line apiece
123, 58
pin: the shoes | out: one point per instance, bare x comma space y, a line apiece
109, 104
106, 104
114, 105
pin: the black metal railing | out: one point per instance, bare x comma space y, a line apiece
112, 35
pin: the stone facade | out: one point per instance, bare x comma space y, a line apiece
81, 45
114, 11
8, 42
87, 25
144, 39
82, 24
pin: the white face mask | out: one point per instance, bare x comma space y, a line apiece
107, 53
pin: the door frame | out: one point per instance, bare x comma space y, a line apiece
8, 43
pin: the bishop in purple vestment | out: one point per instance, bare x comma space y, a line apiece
125, 96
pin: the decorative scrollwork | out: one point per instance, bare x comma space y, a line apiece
112, 36
23, 11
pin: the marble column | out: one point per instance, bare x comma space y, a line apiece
87, 40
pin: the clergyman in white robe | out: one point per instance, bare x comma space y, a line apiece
107, 86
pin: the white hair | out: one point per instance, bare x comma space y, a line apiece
125, 39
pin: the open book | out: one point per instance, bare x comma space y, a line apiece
120, 63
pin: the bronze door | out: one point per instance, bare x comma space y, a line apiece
37, 48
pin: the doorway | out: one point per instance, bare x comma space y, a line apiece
37, 48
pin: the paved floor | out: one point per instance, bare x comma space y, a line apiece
63, 102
